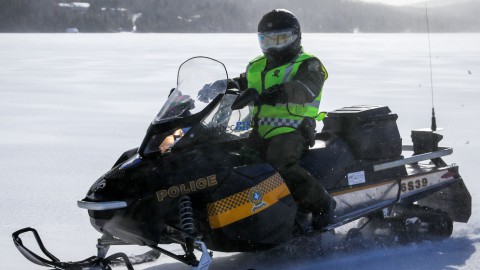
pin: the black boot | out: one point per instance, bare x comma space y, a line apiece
304, 222
324, 214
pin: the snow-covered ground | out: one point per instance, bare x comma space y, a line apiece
71, 104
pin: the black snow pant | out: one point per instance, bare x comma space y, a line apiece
283, 152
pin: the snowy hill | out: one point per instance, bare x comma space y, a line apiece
211, 16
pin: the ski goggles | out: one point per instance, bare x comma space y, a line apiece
276, 40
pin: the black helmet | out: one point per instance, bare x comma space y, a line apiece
279, 35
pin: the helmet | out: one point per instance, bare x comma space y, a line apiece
279, 35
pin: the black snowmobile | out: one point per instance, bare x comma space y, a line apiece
190, 183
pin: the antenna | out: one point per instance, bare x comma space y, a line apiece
434, 120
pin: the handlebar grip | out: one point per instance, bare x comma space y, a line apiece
250, 95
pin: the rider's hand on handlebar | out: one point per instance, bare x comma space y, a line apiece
273, 95
246, 97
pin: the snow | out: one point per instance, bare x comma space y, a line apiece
71, 104
75, 5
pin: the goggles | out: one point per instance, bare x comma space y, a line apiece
276, 40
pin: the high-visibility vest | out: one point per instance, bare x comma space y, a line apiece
283, 117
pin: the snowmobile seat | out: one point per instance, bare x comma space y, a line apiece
329, 159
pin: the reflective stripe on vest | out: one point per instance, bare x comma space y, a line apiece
279, 122
283, 117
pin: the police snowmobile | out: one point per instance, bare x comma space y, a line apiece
189, 182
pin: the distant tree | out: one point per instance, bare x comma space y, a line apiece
228, 16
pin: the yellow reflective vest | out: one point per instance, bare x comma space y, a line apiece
283, 117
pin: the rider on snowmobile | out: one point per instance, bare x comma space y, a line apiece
289, 83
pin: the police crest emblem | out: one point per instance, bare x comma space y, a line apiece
255, 196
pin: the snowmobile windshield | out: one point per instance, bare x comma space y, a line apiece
221, 124
224, 124
199, 81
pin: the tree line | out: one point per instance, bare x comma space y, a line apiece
227, 16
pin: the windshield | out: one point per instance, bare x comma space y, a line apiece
199, 81
223, 124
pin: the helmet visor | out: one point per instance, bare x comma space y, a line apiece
276, 40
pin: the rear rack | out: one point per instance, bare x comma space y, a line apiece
443, 151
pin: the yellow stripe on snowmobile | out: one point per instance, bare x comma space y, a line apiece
247, 203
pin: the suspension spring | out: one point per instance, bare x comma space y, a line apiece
186, 215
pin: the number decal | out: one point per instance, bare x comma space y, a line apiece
413, 185
410, 185
424, 182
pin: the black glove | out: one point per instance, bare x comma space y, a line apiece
249, 95
273, 95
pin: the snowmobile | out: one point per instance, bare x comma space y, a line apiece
190, 182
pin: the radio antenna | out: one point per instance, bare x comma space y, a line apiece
434, 120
